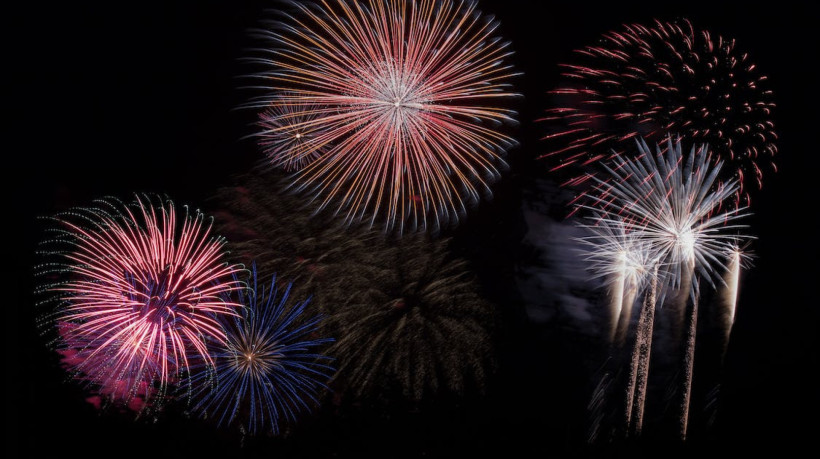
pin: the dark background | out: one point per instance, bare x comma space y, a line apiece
107, 99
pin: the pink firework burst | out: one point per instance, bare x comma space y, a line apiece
140, 291
407, 94
660, 80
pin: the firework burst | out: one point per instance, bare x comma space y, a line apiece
675, 207
629, 265
270, 370
649, 81
139, 289
406, 94
413, 322
623, 260
674, 204
291, 134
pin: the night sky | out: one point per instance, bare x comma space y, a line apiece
118, 97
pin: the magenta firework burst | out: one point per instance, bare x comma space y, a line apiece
660, 80
408, 95
140, 290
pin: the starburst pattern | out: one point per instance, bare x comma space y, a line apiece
409, 319
648, 81
270, 370
292, 134
406, 93
675, 205
139, 290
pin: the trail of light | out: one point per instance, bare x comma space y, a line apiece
688, 367
643, 346
630, 291
616, 312
730, 292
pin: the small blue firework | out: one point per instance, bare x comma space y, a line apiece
269, 371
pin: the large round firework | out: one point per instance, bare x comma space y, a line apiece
406, 95
408, 319
139, 291
270, 370
664, 79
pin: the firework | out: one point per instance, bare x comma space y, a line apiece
291, 135
623, 260
139, 289
270, 370
406, 95
639, 369
628, 264
409, 319
674, 204
667, 78
732, 282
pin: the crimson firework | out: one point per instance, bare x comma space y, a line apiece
139, 290
406, 94
668, 78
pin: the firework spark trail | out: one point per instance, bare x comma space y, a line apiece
406, 93
730, 292
634, 368
647, 81
618, 254
139, 292
643, 349
617, 312
678, 303
688, 366
626, 291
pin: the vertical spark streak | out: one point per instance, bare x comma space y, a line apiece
688, 362
689, 357
680, 301
616, 309
630, 290
730, 292
643, 348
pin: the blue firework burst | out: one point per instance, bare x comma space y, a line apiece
270, 370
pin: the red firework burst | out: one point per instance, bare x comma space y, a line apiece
652, 82
140, 291
405, 93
